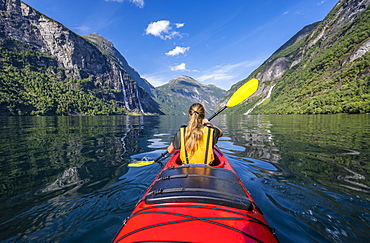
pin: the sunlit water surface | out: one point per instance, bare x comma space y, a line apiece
65, 179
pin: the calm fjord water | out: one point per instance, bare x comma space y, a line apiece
65, 179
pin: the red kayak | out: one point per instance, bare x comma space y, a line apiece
196, 203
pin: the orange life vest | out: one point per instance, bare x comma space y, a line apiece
204, 153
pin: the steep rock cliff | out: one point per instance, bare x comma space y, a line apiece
108, 49
108, 78
322, 69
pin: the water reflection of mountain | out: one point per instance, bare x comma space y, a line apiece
253, 133
47, 157
261, 146
327, 150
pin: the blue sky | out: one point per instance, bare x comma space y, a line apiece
214, 41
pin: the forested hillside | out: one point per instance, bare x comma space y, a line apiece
32, 84
325, 71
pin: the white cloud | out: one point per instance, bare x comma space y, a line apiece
177, 51
179, 25
320, 3
180, 67
172, 35
162, 29
158, 28
217, 76
139, 3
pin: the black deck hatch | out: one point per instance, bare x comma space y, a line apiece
199, 184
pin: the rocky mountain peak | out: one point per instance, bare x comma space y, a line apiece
177, 95
99, 40
185, 80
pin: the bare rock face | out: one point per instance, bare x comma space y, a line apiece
79, 57
275, 70
321, 34
362, 50
106, 46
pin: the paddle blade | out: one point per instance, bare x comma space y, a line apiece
243, 92
141, 163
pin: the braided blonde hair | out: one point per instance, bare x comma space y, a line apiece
193, 131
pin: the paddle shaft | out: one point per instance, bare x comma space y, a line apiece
161, 156
216, 113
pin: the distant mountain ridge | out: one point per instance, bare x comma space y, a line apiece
323, 69
178, 94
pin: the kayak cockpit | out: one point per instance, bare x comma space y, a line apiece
217, 162
197, 183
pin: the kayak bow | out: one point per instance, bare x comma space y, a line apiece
196, 203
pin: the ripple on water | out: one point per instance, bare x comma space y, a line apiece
295, 206
79, 214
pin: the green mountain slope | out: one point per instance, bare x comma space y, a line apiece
324, 71
32, 84
176, 96
47, 69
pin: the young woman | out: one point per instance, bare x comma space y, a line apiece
196, 140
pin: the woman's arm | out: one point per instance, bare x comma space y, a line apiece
206, 122
175, 144
171, 149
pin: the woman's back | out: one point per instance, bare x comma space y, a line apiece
196, 140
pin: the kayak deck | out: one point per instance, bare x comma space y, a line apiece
196, 203
199, 184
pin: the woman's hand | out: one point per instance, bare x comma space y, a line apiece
206, 122
170, 149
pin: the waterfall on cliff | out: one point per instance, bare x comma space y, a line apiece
267, 96
124, 93
138, 99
